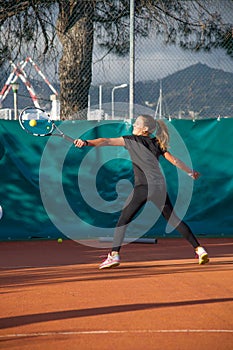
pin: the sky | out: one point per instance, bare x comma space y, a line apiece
154, 61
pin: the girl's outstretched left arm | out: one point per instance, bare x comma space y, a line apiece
114, 141
179, 164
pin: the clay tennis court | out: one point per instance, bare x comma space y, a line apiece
54, 297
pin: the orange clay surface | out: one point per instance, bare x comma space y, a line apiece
53, 297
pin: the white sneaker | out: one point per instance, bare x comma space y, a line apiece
202, 255
111, 261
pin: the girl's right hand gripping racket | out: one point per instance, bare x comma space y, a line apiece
37, 122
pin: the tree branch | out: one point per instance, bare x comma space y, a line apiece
14, 7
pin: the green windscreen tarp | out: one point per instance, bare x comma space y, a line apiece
51, 189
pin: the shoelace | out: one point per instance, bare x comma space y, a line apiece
104, 257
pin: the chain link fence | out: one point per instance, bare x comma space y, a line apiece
170, 82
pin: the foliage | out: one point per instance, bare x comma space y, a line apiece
192, 24
51, 28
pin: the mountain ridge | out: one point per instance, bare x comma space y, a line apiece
197, 90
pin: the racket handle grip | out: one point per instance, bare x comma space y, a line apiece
68, 138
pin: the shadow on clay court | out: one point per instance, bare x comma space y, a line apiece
14, 278
16, 321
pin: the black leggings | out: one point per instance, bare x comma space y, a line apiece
135, 202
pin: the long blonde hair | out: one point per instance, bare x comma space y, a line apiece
162, 135
160, 128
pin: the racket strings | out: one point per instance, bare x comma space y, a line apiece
36, 122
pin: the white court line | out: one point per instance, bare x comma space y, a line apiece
139, 331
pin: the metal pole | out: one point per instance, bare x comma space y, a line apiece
132, 62
116, 87
15, 106
160, 100
100, 103
89, 108
100, 97
15, 88
113, 102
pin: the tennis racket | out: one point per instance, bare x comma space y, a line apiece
37, 122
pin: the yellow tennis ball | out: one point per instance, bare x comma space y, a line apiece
32, 122
59, 240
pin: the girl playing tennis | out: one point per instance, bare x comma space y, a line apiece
149, 183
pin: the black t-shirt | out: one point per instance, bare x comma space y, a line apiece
145, 153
